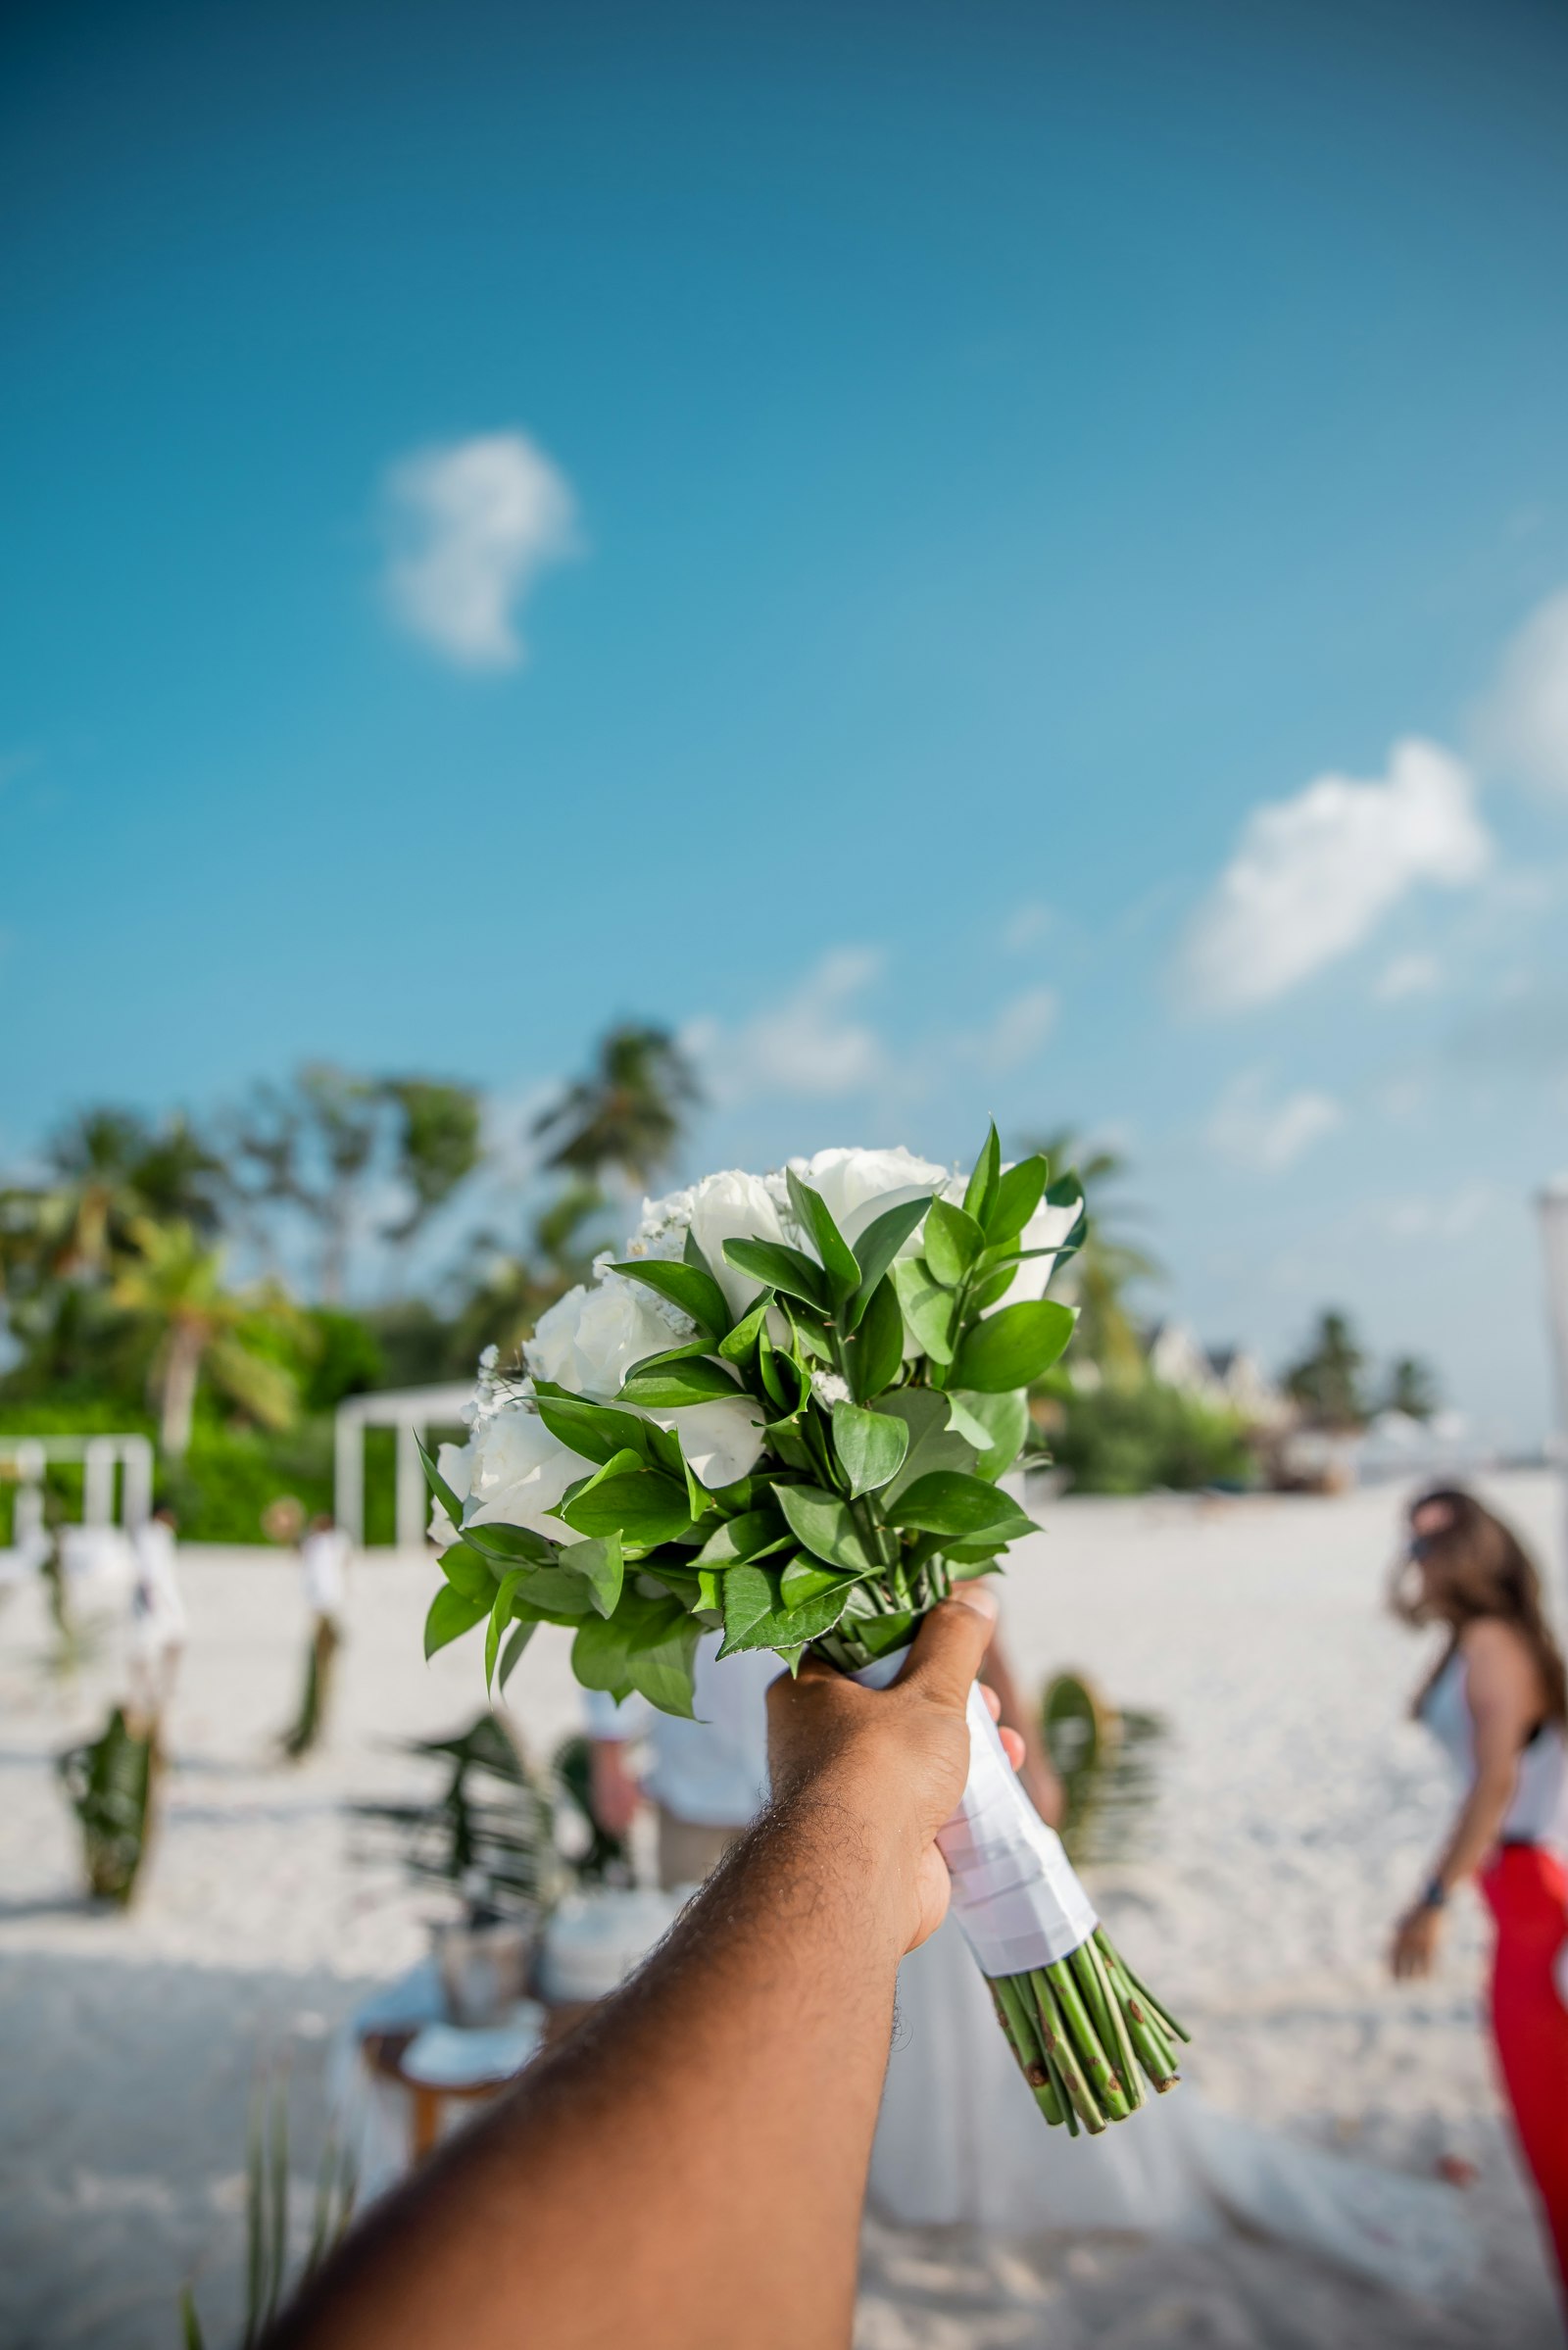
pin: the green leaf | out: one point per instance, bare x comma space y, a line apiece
558, 1595
927, 1308
660, 1659
781, 1269
601, 1565
599, 1656
467, 1572
953, 1241
803, 1579
510, 1545
946, 1502
822, 1522
980, 1192
879, 1244
753, 1535
874, 1357
1012, 1346
666, 1386
438, 1484
592, 1430
645, 1507
696, 1292
751, 1594
870, 1447
518, 1639
879, 1635
994, 1287
740, 1345
813, 1216
755, 1617
996, 1424
1018, 1194
451, 1616
933, 1443
500, 1618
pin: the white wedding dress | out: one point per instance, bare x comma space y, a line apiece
962, 2139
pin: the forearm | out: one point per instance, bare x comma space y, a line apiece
1478, 1827
751, 2049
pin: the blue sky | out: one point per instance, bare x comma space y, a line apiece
830, 527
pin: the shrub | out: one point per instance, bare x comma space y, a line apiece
1137, 1439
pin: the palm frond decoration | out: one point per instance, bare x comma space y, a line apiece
266, 2216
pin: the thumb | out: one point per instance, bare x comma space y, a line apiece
950, 1644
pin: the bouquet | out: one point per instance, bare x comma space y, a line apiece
783, 1416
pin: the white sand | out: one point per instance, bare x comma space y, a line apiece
1297, 1811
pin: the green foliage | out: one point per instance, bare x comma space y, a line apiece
626, 1114
1327, 1381
109, 1785
1413, 1389
488, 1833
1124, 1439
342, 1356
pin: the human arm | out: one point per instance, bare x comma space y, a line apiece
1502, 1689
688, 2169
1037, 1774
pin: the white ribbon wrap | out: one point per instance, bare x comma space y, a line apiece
1014, 1892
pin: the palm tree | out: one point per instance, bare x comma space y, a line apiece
628, 1112
1327, 1379
1107, 1263
174, 1285
1413, 1389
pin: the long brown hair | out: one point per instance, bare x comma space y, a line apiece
1475, 1567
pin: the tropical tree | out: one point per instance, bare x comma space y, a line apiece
1108, 1263
101, 1169
1412, 1388
173, 1285
626, 1115
1327, 1379
324, 1142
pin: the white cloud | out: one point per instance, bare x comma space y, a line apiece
1407, 975
1019, 1029
1452, 1217
1313, 875
1026, 926
1522, 724
473, 523
812, 1045
1264, 1135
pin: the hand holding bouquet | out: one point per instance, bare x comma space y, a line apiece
784, 1416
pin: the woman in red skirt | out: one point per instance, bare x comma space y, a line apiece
1497, 1702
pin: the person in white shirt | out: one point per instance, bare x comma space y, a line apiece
323, 1557
707, 1778
158, 1621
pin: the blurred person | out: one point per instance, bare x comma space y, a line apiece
1496, 1701
325, 1551
687, 2169
157, 1620
707, 1778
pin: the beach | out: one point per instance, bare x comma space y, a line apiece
1298, 1809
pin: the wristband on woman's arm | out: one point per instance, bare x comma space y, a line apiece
1436, 1895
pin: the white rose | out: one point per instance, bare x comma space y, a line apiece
859, 1186
590, 1339
722, 1440
517, 1473
728, 1206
